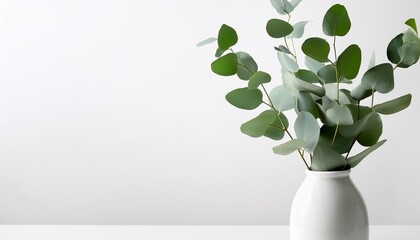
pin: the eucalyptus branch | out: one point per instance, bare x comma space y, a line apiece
373, 98
294, 50
335, 136
335, 49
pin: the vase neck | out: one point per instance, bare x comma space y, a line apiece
328, 174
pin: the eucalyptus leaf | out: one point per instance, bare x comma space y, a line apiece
393, 106
393, 51
289, 147
283, 7
409, 53
298, 29
371, 132
294, 84
307, 129
348, 63
305, 103
246, 65
295, 2
312, 64
226, 65
333, 93
287, 63
277, 28
356, 128
328, 74
257, 126
326, 159
276, 130
218, 52
245, 98
282, 48
336, 21
340, 115
258, 78
341, 144
361, 92
380, 78
412, 23
282, 99
349, 98
207, 41
316, 48
227, 37
355, 160
307, 76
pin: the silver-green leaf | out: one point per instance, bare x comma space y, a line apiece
393, 106
307, 129
355, 160
289, 147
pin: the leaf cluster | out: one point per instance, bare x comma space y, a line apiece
331, 118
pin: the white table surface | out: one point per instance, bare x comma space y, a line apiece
182, 232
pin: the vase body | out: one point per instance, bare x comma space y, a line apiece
328, 206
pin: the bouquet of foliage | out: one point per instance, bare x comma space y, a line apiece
331, 118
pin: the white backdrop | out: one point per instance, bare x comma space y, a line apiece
109, 114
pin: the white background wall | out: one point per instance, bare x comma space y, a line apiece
109, 114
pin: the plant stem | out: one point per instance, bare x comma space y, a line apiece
294, 50
373, 98
335, 135
352, 144
335, 50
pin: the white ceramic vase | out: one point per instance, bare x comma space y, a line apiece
328, 206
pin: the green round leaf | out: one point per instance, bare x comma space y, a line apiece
349, 61
341, 144
257, 126
305, 103
246, 65
275, 131
282, 99
409, 53
380, 78
340, 115
298, 29
328, 74
258, 78
392, 51
245, 98
227, 37
226, 65
371, 132
277, 28
316, 48
336, 21
307, 76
